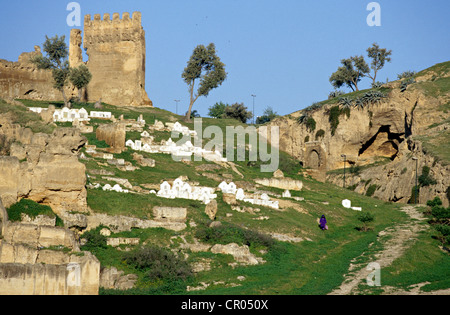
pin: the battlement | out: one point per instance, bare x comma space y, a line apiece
116, 22
116, 51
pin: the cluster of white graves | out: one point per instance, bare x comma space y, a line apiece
71, 114
181, 189
262, 200
108, 187
185, 150
177, 127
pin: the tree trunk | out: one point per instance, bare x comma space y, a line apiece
66, 103
80, 95
187, 118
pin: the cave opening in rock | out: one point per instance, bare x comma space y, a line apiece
384, 143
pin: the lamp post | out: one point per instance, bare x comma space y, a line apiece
345, 162
177, 101
253, 95
417, 185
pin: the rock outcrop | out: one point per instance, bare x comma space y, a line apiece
43, 168
31, 264
113, 134
377, 133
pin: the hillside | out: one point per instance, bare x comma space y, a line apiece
235, 247
374, 134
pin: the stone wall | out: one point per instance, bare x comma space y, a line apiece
70, 275
116, 50
30, 265
23, 80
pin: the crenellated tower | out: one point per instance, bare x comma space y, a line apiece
116, 50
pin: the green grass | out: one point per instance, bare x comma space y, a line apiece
20, 115
32, 209
437, 145
315, 266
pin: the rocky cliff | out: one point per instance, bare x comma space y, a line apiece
360, 130
42, 167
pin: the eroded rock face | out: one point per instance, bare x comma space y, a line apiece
113, 134
395, 181
44, 168
378, 133
241, 254
29, 265
377, 130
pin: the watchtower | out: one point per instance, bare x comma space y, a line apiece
116, 50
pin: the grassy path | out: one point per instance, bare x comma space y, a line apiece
394, 242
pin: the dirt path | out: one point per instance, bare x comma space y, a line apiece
395, 241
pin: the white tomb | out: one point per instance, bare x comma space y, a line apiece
346, 203
180, 189
286, 194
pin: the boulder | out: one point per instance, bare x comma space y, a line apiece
170, 214
240, 253
211, 209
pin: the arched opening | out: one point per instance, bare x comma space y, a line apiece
314, 159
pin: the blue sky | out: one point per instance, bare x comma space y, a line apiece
283, 51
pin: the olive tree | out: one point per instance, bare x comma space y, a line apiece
80, 78
56, 60
379, 58
205, 68
353, 69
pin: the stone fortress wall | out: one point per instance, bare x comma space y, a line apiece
116, 51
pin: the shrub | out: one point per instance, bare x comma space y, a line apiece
334, 118
158, 263
355, 169
406, 75
217, 110
377, 84
229, 233
32, 209
425, 179
371, 190
444, 233
366, 218
441, 214
94, 240
237, 111
435, 202
310, 124
320, 134
334, 94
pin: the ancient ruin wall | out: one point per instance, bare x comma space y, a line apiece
23, 80
116, 50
